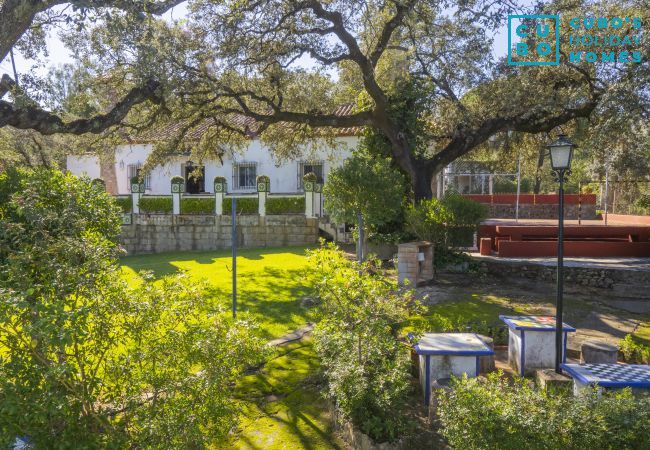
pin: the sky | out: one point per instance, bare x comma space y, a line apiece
59, 55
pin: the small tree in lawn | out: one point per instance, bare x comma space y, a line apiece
365, 186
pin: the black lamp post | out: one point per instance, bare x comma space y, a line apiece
561, 153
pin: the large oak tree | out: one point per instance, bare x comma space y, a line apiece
281, 69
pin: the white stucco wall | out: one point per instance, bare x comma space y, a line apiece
83, 165
284, 177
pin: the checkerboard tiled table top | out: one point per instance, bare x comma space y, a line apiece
610, 375
455, 344
534, 323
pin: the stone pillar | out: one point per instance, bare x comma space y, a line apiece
309, 181
220, 190
178, 187
137, 189
597, 352
263, 189
414, 263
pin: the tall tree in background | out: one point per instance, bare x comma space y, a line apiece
273, 63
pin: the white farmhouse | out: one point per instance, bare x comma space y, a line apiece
239, 167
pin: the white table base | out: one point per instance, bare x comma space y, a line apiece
530, 350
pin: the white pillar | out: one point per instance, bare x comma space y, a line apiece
135, 199
220, 190
261, 203
218, 203
263, 188
137, 189
317, 204
176, 203
178, 187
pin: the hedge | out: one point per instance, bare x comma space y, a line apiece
197, 206
285, 205
156, 205
125, 203
245, 205
499, 414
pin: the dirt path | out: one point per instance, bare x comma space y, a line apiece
597, 314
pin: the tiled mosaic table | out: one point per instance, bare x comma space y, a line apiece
445, 354
531, 342
608, 376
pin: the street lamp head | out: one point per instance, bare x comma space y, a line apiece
561, 153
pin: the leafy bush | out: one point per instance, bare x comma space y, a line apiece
245, 205
634, 352
285, 205
197, 206
366, 367
498, 414
125, 203
447, 222
155, 205
89, 362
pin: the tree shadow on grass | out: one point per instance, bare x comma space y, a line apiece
162, 264
272, 297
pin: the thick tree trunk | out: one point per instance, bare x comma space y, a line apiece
421, 182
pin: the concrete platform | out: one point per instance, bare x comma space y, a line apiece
636, 264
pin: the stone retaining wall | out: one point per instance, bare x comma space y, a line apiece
618, 281
163, 233
540, 211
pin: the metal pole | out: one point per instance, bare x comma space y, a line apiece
234, 257
606, 192
360, 238
580, 203
518, 189
560, 277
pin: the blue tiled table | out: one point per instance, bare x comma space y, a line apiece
608, 376
445, 354
531, 342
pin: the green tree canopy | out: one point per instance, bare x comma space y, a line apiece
365, 185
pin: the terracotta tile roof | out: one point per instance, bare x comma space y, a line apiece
171, 130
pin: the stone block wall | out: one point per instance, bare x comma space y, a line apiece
540, 211
150, 233
618, 281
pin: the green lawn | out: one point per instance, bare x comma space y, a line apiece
270, 283
281, 403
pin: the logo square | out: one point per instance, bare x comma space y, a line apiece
536, 40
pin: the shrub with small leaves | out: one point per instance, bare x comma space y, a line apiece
155, 205
125, 203
500, 414
197, 206
87, 361
245, 205
285, 205
366, 366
